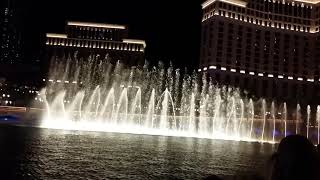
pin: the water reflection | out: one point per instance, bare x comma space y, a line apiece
44, 154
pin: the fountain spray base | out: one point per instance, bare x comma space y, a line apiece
63, 124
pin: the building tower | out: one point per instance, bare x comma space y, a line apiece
88, 38
270, 48
10, 41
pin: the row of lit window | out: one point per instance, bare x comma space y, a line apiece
60, 81
94, 44
255, 74
260, 22
281, 8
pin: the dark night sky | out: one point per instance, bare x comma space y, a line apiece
170, 27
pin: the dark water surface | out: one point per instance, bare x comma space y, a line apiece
32, 153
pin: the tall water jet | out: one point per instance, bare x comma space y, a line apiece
58, 106
203, 123
264, 119
308, 119
252, 117
231, 115
164, 110
91, 109
217, 104
285, 118
241, 117
151, 110
273, 114
136, 108
75, 108
192, 119
109, 101
298, 117
318, 123
122, 108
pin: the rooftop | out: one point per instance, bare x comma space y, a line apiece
97, 25
243, 3
55, 35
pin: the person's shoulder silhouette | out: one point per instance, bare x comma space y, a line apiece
296, 158
212, 177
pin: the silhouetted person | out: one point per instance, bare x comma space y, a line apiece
318, 148
296, 159
212, 177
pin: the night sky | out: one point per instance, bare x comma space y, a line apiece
170, 27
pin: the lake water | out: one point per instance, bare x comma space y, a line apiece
33, 153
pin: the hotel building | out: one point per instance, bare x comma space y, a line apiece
269, 47
96, 39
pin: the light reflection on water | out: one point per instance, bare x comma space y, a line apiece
47, 154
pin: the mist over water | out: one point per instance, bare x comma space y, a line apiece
97, 95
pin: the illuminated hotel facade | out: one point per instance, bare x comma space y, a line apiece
269, 47
87, 39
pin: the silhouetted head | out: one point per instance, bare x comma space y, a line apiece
212, 177
296, 158
318, 148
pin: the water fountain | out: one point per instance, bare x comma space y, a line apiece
96, 95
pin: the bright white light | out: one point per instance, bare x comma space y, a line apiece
242, 71
43, 80
223, 69
290, 78
233, 70
64, 123
300, 79
199, 70
74, 82
98, 25
54, 35
205, 68
66, 82
251, 73
50, 80
270, 75
233, 2
59, 81
310, 80
280, 76
212, 67
135, 41
260, 74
